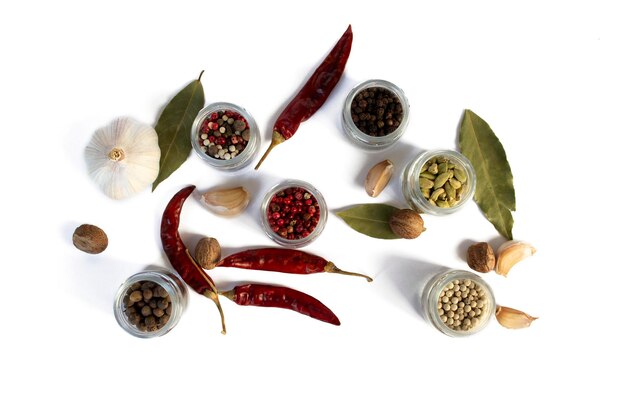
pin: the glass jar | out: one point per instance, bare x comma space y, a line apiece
363, 138
276, 220
473, 298
415, 196
176, 290
215, 119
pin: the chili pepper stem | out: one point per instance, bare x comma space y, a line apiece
213, 296
228, 294
277, 139
330, 267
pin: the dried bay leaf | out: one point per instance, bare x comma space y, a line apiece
495, 194
174, 128
370, 219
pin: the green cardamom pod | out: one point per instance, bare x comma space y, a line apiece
437, 194
426, 183
425, 193
450, 191
443, 167
433, 169
428, 175
456, 184
460, 175
440, 180
442, 204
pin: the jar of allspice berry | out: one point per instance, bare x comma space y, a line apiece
293, 213
150, 303
375, 114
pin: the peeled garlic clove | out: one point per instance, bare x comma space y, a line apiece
510, 253
226, 201
513, 319
378, 177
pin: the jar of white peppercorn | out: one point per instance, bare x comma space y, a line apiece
458, 303
438, 182
150, 303
225, 136
375, 114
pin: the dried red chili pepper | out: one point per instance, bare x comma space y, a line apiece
291, 261
313, 94
179, 256
263, 295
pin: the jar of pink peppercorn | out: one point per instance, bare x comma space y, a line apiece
293, 213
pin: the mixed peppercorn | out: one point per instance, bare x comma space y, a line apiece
224, 134
293, 213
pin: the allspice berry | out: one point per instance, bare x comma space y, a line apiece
406, 223
208, 252
480, 257
90, 239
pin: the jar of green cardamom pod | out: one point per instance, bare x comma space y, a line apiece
438, 182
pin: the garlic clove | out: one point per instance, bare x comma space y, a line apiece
378, 177
510, 253
226, 201
512, 318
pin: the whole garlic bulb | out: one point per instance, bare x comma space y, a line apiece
123, 157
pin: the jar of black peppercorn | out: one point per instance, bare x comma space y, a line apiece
293, 213
375, 114
150, 303
225, 136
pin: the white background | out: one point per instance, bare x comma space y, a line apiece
547, 76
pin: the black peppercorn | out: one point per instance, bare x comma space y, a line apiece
376, 111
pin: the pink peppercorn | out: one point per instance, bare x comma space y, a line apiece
289, 216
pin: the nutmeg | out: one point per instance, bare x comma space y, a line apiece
208, 252
406, 223
90, 239
480, 257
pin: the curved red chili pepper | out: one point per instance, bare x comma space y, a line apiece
313, 94
289, 261
263, 295
179, 256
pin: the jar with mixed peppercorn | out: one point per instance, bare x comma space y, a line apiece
225, 136
375, 114
293, 213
